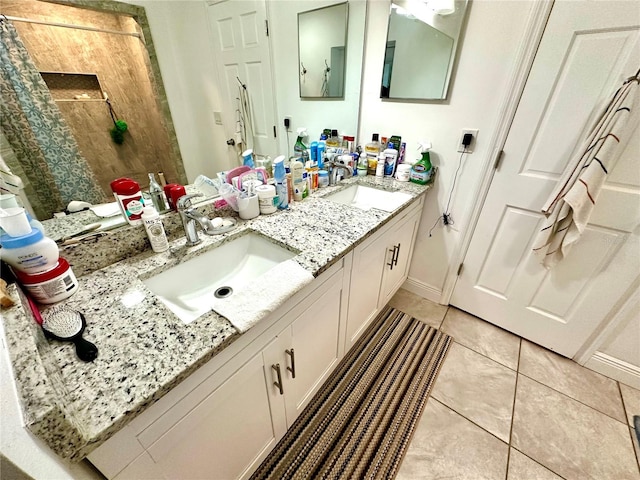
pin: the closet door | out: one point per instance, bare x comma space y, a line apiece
587, 50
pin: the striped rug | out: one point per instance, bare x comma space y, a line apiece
360, 423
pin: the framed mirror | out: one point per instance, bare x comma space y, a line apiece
322, 44
422, 41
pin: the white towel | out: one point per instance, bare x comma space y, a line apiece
106, 209
570, 205
253, 302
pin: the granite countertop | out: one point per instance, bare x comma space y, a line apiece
144, 349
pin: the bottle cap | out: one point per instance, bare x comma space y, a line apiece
374, 137
33, 278
125, 187
16, 242
149, 211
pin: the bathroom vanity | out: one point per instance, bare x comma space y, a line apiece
166, 399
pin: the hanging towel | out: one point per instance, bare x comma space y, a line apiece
244, 120
571, 203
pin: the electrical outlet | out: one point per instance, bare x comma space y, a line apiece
217, 117
287, 123
472, 145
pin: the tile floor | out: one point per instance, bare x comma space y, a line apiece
505, 408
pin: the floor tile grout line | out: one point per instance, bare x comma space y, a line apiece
513, 410
541, 464
469, 420
480, 353
631, 433
575, 399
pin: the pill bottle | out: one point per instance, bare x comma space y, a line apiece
323, 178
267, 200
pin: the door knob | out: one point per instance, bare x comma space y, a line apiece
231, 142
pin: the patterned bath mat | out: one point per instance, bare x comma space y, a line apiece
360, 423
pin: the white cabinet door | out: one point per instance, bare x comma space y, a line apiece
226, 435
313, 351
399, 250
364, 291
306, 352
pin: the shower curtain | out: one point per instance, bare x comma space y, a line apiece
41, 140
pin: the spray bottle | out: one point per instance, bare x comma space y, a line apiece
422, 169
300, 149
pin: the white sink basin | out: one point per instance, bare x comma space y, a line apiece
188, 289
365, 198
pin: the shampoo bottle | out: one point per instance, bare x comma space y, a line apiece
421, 170
372, 149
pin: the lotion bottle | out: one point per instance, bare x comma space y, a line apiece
155, 229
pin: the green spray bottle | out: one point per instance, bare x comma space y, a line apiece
299, 148
422, 169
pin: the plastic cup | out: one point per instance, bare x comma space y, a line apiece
8, 200
14, 221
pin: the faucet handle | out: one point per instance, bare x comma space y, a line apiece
185, 200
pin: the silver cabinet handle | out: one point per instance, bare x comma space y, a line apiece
397, 254
278, 384
292, 369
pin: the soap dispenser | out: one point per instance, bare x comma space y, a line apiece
422, 169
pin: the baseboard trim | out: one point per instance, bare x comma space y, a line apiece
425, 291
615, 368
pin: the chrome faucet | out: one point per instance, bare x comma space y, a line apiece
191, 218
336, 165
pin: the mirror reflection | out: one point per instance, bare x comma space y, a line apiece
420, 51
322, 42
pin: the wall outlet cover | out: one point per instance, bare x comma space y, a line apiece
472, 145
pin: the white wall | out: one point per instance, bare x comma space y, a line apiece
487, 54
321, 113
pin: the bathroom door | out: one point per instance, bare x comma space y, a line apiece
587, 50
241, 44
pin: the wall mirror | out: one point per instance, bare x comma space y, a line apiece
422, 41
70, 45
322, 42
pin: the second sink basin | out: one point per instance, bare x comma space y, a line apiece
365, 198
188, 289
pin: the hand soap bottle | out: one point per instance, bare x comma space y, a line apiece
422, 169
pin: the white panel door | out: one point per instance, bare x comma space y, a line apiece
241, 45
587, 50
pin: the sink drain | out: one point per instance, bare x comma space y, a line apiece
223, 292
